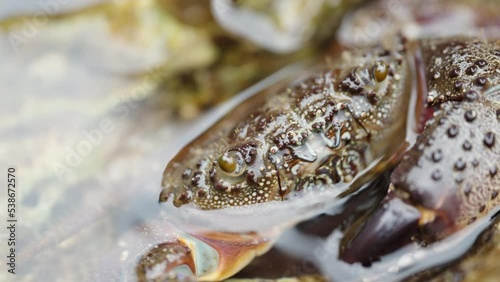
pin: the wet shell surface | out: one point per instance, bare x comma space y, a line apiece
425, 112
290, 153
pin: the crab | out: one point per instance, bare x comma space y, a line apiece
395, 140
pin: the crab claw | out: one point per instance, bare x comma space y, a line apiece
207, 257
390, 227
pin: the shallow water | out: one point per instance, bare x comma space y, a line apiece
88, 148
87, 204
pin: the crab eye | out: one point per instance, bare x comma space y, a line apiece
232, 163
380, 71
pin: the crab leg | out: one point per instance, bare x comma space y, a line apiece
449, 178
210, 256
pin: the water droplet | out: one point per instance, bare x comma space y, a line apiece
452, 131
493, 170
475, 163
436, 175
437, 155
467, 146
436, 75
471, 95
489, 139
467, 190
458, 85
481, 81
454, 73
460, 164
481, 63
470, 115
471, 70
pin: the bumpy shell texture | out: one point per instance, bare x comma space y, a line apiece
315, 133
453, 168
